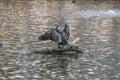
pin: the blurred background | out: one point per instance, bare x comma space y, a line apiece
95, 22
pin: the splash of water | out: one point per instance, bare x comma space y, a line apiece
97, 13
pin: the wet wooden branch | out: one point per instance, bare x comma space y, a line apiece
74, 41
73, 49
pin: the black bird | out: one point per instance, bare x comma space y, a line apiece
57, 36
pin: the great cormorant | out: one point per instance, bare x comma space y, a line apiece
56, 35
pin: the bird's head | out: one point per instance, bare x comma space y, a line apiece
57, 26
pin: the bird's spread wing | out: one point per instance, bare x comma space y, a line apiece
54, 36
66, 31
46, 35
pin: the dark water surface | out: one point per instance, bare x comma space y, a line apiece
96, 24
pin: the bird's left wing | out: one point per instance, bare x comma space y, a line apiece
54, 36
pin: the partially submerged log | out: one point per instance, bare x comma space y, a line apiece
72, 50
